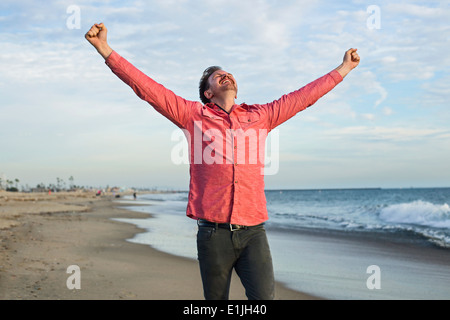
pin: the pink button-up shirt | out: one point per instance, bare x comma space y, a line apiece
226, 151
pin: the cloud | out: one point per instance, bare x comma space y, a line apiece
397, 98
369, 82
416, 10
389, 134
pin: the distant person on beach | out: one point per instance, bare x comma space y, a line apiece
226, 192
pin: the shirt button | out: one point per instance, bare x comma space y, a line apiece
235, 181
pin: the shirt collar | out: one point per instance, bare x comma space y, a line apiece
217, 108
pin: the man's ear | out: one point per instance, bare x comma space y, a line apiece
208, 94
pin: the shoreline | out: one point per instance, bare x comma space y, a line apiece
42, 235
336, 265
331, 264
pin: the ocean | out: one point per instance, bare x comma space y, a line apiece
326, 242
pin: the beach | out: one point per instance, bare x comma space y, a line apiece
119, 258
342, 251
42, 235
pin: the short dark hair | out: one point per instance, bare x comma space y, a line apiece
204, 83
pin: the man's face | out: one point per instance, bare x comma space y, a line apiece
221, 81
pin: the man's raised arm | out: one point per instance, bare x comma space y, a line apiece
289, 105
97, 36
173, 107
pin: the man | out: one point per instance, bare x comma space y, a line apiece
226, 191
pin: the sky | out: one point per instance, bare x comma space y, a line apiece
63, 113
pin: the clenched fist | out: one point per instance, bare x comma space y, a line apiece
351, 58
97, 37
351, 61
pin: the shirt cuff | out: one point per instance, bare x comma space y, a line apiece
112, 59
336, 76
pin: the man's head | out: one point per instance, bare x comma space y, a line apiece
215, 81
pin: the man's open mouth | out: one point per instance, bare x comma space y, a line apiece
225, 80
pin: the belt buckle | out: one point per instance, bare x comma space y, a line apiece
235, 227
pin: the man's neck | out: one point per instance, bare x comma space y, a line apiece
224, 104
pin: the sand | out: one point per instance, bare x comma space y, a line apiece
42, 235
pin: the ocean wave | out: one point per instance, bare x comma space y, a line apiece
417, 220
417, 213
166, 196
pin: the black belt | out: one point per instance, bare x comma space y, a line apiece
231, 227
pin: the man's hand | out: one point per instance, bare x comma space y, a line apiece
97, 37
351, 61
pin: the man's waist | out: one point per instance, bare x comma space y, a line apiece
229, 226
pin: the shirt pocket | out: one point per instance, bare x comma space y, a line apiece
208, 115
248, 120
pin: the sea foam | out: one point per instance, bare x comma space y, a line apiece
418, 213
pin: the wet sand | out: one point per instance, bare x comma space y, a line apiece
42, 235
